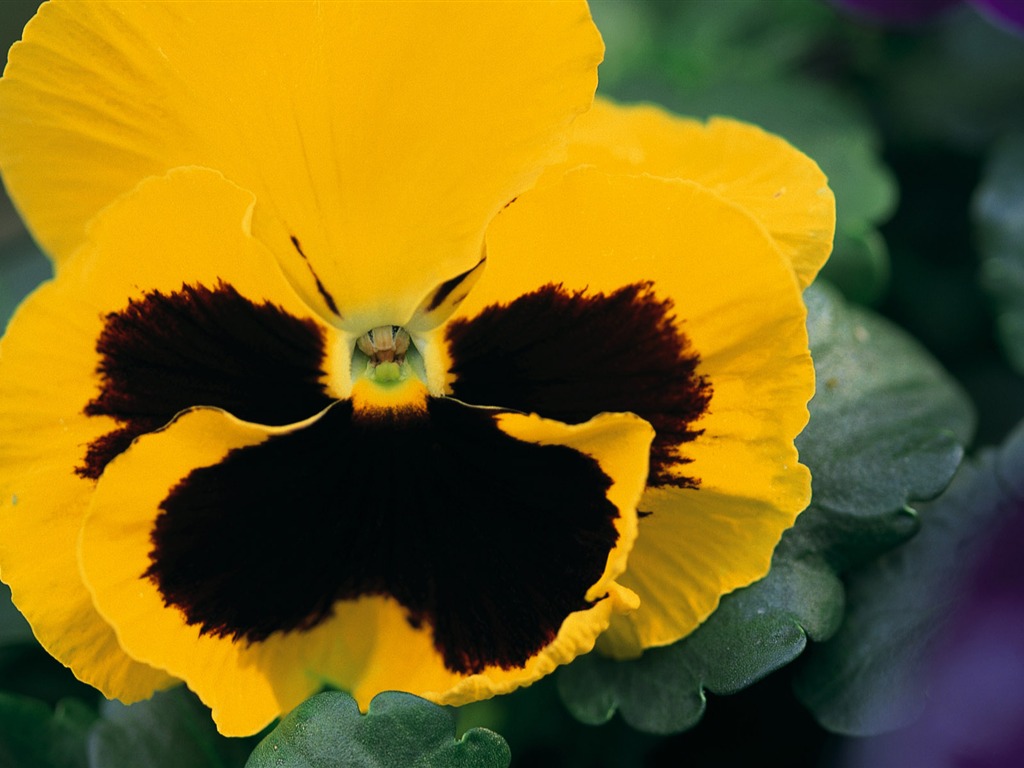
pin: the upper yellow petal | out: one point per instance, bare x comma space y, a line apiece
773, 181
378, 138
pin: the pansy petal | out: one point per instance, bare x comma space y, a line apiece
693, 552
455, 553
371, 170
115, 346
774, 182
734, 300
246, 685
40, 516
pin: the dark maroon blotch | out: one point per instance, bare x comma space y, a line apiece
490, 541
570, 356
167, 352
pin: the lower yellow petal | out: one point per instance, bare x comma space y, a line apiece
366, 644
403, 658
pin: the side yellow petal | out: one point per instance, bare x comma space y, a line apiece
40, 516
772, 180
379, 138
194, 224
736, 301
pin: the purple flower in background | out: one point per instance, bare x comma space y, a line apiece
1007, 12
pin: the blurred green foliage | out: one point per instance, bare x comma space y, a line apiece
999, 215
871, 677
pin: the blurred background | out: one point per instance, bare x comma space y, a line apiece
920, 128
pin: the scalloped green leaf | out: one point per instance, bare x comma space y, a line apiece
34, 736
171, 730
754, 632
999, 220
871, 676
887, 426
398, 731
887, 421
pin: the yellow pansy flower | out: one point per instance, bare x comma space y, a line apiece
374, 359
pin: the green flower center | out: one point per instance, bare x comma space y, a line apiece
386, 355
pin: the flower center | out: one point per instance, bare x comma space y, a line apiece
385, 348
387, 356
388, 374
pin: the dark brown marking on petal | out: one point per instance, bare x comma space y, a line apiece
444, 290
570, 356
324, 294
489, 541
164, 353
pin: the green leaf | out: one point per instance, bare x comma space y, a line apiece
398, 731
887, 421
34, 736
887, 425
999, 219
171, 730
870, 677
754, 632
